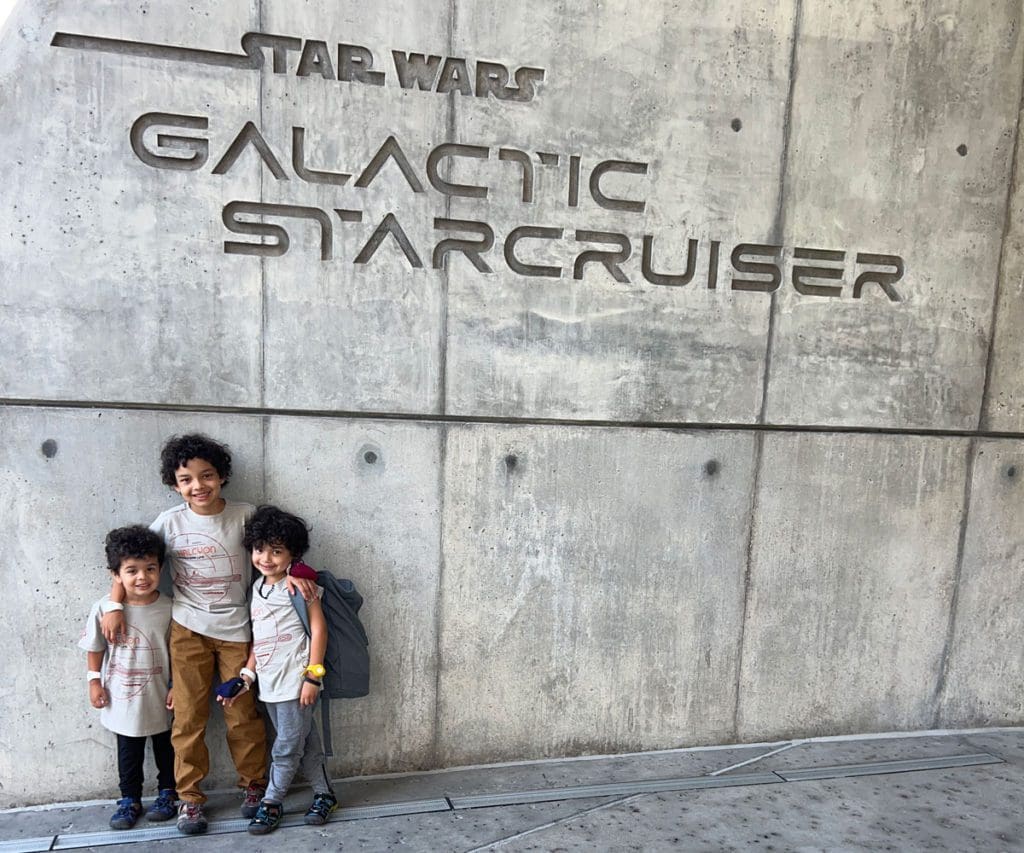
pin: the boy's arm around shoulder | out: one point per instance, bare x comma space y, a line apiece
301, 579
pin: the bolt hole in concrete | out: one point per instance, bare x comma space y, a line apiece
711, 467
736, 125
49, 448
1011, 471
369, 455
511, 461
961, 149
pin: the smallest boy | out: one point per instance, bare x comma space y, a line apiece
129, 679
288, 665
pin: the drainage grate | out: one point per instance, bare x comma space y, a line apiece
27, 845
611, 789
221, 827
877, 768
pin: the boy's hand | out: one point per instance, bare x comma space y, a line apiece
169, 704
309, 694
305, 587
98, 694
112, 625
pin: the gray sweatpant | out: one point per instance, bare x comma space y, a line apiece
296, 747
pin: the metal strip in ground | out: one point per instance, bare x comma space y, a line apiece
28, 845
611, 789
877, 768
221, 827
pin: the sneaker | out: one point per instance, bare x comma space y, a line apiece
268, 816
191, 819
253, 797
164, 806
323, 805
128, 811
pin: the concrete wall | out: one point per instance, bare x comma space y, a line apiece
590, 512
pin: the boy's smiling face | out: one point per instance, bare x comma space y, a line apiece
271, 560
199, 484
139, 576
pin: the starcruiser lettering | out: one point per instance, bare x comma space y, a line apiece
757, 267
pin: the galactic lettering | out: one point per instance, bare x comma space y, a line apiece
173, 141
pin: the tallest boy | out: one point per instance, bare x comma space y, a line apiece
210, 630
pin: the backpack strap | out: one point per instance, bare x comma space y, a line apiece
325, 725
299, 603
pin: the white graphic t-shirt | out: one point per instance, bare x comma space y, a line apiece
279, 642
136, 669
209, 569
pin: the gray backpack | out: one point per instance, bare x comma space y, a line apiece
347, 659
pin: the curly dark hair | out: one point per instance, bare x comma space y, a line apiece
272, 526
132, 542
181, 449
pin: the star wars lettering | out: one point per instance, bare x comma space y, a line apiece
353, 63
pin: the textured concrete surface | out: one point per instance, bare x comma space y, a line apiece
542, 608
851, 582
102, 471
961, 808
985, 670
371, 494
597, 347
342, 335
897, 109
546, 571
110, 290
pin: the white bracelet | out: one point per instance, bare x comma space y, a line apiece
109, 606
246, 671
92, 674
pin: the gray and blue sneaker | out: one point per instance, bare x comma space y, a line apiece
268, 816
323, 805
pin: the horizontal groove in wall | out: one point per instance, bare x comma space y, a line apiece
427, 417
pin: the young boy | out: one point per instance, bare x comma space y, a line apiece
129, 679
288, 665
210, 634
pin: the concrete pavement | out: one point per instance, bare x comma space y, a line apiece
930, 791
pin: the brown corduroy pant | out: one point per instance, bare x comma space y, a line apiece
194, 659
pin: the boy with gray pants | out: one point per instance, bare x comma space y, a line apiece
288, 665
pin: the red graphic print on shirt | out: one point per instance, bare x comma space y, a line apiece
266, 635
132, 665
204, 565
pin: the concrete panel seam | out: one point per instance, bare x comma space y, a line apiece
779, 223
940, 683
1011, 191
751, 522
263, 260
439, 589
501, 842
757, 758
878, 768
450, 131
